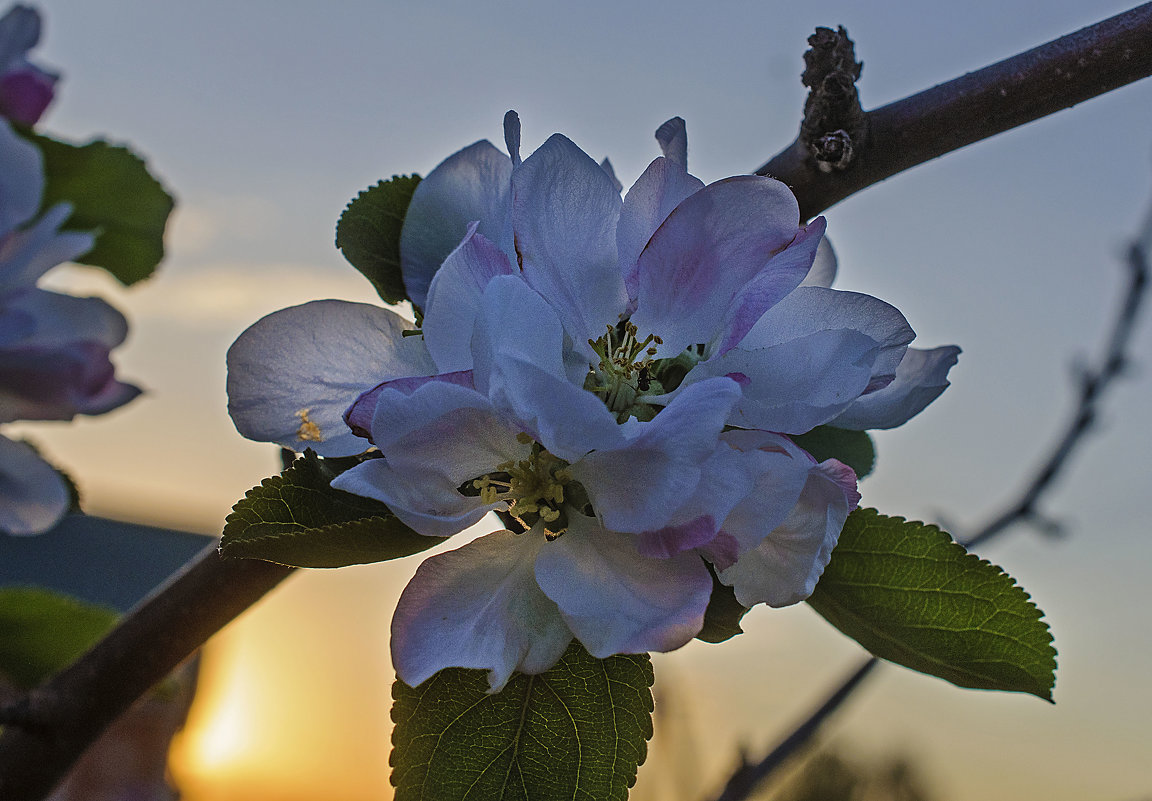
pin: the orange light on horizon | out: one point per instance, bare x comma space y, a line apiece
294, 696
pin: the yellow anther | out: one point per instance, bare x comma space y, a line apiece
308, 431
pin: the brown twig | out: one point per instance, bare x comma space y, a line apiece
976, 106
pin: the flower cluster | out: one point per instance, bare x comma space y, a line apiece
54, 348
618, 376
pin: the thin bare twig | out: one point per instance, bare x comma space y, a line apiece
1093, 384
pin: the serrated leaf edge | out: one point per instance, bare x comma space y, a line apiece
1049, 651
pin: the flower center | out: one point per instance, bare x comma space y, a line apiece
625, 372
533, 488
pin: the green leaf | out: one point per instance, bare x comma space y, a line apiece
297, 519
853, 448
577, 732
369, 234
112, 195
724, 613
42, 632
909, 594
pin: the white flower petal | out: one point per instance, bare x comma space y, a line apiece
823, 271
920, 378
518, 350
616, 601
454, 299
784, 568
564, 212
33, 496
425, 501
478, 607
639, 485
800, 384
471, 185
292, 374
810, 356
435, 436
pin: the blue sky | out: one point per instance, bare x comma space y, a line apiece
265, 118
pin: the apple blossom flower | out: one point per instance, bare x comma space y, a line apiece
54, 348
25, 89
617, 375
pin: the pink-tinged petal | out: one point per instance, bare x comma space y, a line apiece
764, 290
470, 185
776, 472
648, 203
784, 568
26, 93
920, 378
33, 496
435, 438
478, 607
293, 373
640, 485
362, 412
446, 428
672, 137
58, 383
677, 537
564, 212
21, 180
823, 271
811, 309
713, 244
54, 357
454, 299
616, 601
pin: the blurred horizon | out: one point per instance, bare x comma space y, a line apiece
266, 118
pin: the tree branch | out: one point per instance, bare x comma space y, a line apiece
1041, 81
50, 727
